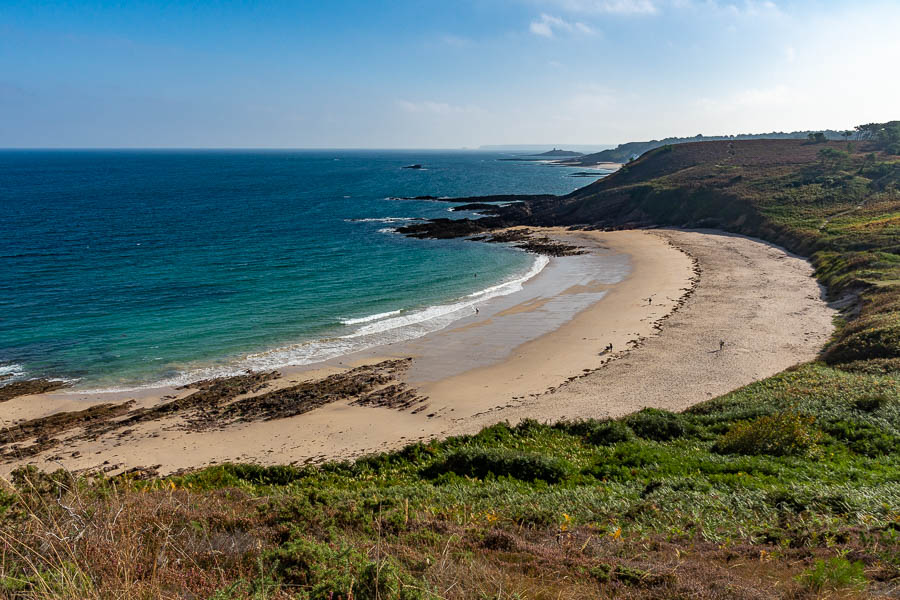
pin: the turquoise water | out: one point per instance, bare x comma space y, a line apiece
126, 268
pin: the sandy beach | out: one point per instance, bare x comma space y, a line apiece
603, 166
684, 292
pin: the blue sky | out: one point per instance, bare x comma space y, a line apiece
443, 74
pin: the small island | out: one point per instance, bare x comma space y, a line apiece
559, 152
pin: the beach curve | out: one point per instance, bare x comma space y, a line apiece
663, 320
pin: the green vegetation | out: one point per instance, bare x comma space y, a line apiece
632, 150
781, 434
886, 136
651, 505
817, 138
788, 487
834, 574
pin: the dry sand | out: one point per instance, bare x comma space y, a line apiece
605, 166
757, 298
705, 287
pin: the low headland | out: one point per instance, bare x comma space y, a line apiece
739, 440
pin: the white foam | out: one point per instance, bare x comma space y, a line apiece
12, 369
382, 220
11, 372
15, 372
374, 317
435, 313
374, 330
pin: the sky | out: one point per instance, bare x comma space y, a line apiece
438, 74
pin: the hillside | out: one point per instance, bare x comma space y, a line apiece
631, 150
787, 488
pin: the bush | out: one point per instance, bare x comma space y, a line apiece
875, 366
863, 438
870, 404
598, 433
835, 573
329, 572
607, 433
260, 475
782, 434
656, 424
482, 462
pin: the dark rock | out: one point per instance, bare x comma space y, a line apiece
443, 229
498, 198
558, 152
474, 206
524, 239
26, 388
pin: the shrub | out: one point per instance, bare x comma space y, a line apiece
607, 433
835, 573
782, 434
329, 572
656, 424
863, 438
260, 475
483, 462
579, 428
598, 433
628, 462
875, 366
870, 404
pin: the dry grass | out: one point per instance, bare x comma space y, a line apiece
65, 539
62, 542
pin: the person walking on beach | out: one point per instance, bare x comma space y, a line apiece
721, 345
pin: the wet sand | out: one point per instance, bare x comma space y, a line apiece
662, 298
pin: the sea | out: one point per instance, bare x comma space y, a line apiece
125, 269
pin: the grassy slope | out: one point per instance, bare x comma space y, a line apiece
785, 488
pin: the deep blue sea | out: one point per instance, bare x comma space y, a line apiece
127, 268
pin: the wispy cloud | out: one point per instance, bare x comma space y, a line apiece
742, 8
615, 7
548, 25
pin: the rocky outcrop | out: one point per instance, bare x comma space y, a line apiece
28, 387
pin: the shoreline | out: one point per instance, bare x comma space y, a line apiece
403, 318
556, 375
600, 166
